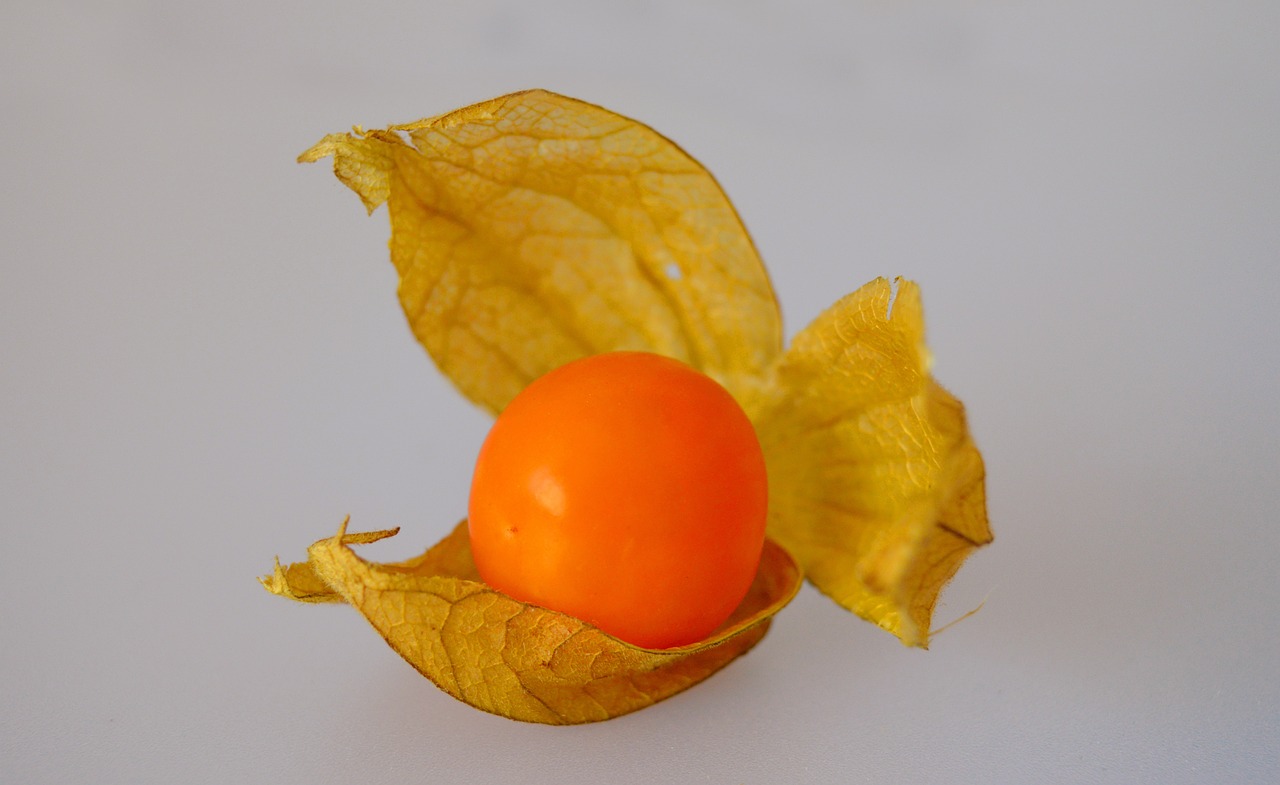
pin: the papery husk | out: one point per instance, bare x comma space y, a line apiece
875, 484
510, 658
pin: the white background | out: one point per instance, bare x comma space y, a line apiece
202, 365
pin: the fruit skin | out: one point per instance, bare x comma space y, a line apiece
624, 489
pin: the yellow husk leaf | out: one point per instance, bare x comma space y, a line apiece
513, 659
875, 484
300, 582
534, 229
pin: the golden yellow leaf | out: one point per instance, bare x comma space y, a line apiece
300, 582
518, 660
875, 484
534, 229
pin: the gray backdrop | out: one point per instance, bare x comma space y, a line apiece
203, 364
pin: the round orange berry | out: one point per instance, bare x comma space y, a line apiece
627, 490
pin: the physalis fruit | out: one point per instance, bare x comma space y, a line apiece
533, 230
625, 489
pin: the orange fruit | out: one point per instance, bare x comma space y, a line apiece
627, 490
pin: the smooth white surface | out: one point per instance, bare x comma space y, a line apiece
202, 364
